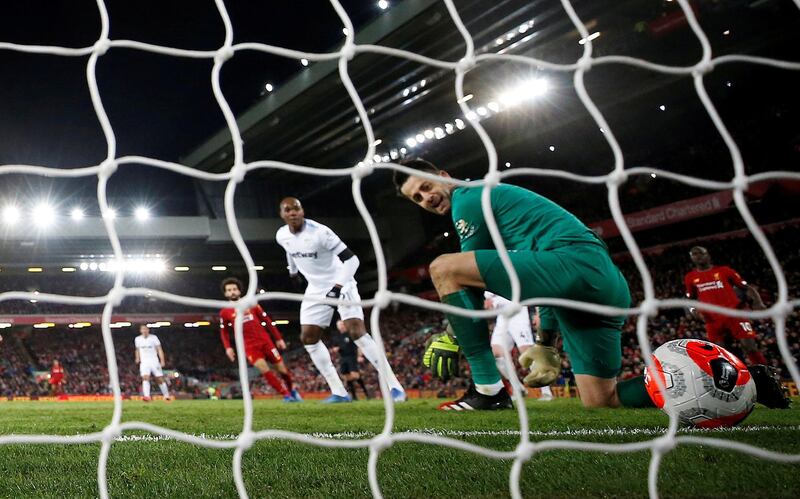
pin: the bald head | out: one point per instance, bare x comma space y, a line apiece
700, 257
291, 211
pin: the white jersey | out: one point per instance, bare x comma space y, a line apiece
313, 251
148, 349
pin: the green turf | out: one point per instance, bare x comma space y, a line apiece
287, 469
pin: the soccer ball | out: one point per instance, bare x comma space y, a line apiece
706, 385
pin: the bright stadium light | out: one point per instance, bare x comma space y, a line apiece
35, 270
411, 142
182, 269
304, 62
591, 37
84, 266
383, 4
525, 91
43, 215
428, 134
141, 213
67, 269
268, 87
420, 138
460, 124
76, 214
93, 266
219, 268
10, 215
111, 214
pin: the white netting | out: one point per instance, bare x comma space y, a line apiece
383, 297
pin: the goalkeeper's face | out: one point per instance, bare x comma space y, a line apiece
430, 195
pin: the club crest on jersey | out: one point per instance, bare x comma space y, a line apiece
465, 229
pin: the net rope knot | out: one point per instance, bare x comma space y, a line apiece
383, 299
525, 451
115, 296
111, 433
649, 307
584, 64
246, 302
381, 443
101, 46
617, 177
511, 310
662, 445
364, 169
238, 173
107, 168
703, 67
246, 439
348, 51
223, 54
465, 64
492, 179
741, 183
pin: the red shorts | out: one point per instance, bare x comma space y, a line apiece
717, 326
265, 350
56, 380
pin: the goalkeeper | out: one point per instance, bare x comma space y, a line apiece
554, 255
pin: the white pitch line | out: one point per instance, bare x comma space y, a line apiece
579, 432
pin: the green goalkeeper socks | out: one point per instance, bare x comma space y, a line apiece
473, 337
632, 393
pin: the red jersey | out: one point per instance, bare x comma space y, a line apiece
715, 286
252, 328
56, 374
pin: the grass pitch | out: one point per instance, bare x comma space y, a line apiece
142, 466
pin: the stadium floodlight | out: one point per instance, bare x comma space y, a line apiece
35, 270
420, 138
482, 111
460, 124
84, 266
68, 269
93, 266
111, 214
345, 32
44, 325
508, 165
428, 133
662, 107
219, 268
76, 214
5, 325
591, 37
10, 215
268, 87
43, 215
465, 98
202, 323
182, 269
280, 322
438, 132
141, 213
552, 148
494, 107
304, 62
383, 4
411, 142
527, 90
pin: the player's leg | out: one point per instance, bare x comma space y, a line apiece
501, 342
457, 280
162, 385
742, 330
351, 385
313, 318
286, 376
257, 359
146, 386
353, 318
357, 376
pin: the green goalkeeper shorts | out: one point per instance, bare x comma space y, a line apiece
581, 272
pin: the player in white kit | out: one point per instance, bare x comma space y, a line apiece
150, 357
314, 250
510, 331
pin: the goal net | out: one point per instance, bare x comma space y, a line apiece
526, 449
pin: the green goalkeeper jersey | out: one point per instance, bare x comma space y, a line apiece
526, 220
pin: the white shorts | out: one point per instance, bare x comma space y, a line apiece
150, 368
518, 331
320, 314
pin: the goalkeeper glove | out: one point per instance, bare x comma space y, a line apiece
334, 294
545, 364
442, 354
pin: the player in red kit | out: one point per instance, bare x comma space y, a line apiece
56, 378
714, 284
258, 345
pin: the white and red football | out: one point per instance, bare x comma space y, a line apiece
707, 386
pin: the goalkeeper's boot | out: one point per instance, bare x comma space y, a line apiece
769, 389
473, 400
398, 395
289, 399
337, 399
544, 363
296, 395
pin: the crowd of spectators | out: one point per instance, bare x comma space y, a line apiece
197, 354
